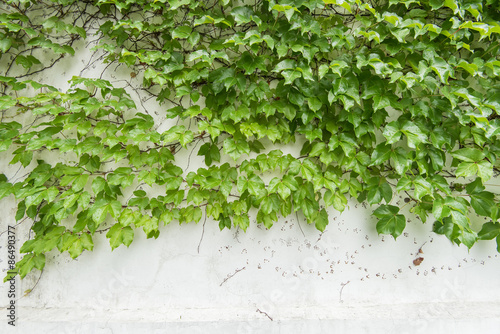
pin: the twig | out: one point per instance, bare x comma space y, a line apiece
420, 249
342, 288
298, 223
231, 275
34, 286
267, 315
202, 232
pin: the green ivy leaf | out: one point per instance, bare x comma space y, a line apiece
468, 154
182, 32
321, 220
256, 186
119, 235
413, 133
241, 221
81, 243
270, 203
390, 222
242, 14
29, 262
235, 148
484, 204
489, 231
381, 154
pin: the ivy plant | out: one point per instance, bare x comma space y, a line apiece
382, 98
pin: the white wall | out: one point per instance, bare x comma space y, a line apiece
346, 278
291, 279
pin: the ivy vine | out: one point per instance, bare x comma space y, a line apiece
383, 97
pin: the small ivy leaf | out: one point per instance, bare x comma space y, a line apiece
250, 63
174, 4
390, 222
466, 169
5, 44
308, 169
119, 235
442, 69
314, 104
287, 64
378, 190
381, 154
98, 185
392, 18
235, 148
224, 222
241, 221
436, 4
493, 101
422, 187
80, 182
468, 154
270, 203
468, 238
149, 225
139, 193
182, 32
194, 38
447, 228
5, 189
267, 219
322, 70
290, 76
30, 261
401, 160
81, 243
485, 170
339, 202
392, 132
256, 186
321, 220
185, 138
242, 14
11, 273
269, 41
484, 204
414, 134
489, 231
21, 209
99, 211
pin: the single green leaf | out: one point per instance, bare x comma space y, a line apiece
489, 231
321, 220
381, 154
468, 154
29, 262
182, 32
119, 235
484, 203
390, 222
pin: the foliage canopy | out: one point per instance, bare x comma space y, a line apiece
385, 97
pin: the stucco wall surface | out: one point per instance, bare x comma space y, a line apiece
290, 279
